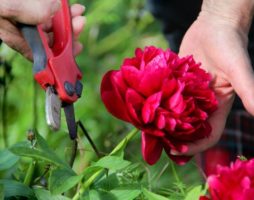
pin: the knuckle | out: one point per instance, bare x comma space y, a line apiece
10, 9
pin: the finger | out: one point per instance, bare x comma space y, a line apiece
77, 48
217, 121
241, 77
11, 36
29, 11
77, 10
47, 26
78, 24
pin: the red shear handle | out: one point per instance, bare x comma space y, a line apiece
61, 62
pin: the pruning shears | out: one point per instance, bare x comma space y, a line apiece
55, 69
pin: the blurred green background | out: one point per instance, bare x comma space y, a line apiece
113, 31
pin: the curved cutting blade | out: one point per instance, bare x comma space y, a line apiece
70, 119
53, 109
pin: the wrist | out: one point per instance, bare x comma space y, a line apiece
236, 13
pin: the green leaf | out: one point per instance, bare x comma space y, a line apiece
1, 192
42, 194
119, 149
14, 188
61, 180
8, 159
112, 163
152, 196
21, 149
107, 182
42, 143
125, 193
195, 193
128, 193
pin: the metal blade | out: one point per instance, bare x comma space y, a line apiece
70, 120
53, 109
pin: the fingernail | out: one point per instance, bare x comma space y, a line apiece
83, 8
55, 7
174, 152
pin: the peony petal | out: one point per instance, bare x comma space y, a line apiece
152, 80
153, 132
170, 124
216, 188
111, 97
134, 103
245, 183
160, 121
151, 148
176, 102
150, 106
169, 87
131, 75
204, 198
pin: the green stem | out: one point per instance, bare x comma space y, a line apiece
35, 110
31, 168
4, 110
30, 172
128, 137
177, 177
88, 182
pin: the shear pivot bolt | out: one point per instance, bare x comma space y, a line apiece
69, 88
79, 88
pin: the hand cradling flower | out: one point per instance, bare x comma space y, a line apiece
168, 98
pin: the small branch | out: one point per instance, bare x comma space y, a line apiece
80, 124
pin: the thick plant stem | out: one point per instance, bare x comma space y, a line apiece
88, 182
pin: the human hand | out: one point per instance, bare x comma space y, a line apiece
35, 12
218, 39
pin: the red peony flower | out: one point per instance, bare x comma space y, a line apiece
203, 198
165, 96
233, 183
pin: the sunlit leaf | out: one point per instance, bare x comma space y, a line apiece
112, 163
152, 196
194, 193
125, 193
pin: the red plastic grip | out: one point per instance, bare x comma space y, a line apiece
61, 65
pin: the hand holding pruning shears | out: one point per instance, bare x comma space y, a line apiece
35, 12
52, 45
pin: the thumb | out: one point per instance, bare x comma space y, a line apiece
29, 11
241, 78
